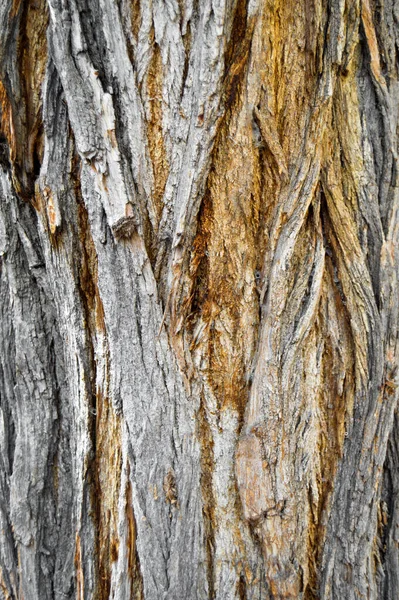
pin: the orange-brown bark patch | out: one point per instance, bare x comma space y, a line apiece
15, 8
225, 305
79, 569
3, 587
154, 124
207, 468
237, 52
108, 465
88, 273
135, 17
33, 66
371, 37
22, 104
290, 55
6, 124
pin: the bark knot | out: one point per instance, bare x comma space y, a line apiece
170, 488
124, 228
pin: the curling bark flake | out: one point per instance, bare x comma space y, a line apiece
199, 299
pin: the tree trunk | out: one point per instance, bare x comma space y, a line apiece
199, 299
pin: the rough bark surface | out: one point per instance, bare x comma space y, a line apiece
199, 299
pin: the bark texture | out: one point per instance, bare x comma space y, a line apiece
199, 299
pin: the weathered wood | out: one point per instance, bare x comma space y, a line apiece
199, 299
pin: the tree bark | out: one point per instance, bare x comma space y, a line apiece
199, 299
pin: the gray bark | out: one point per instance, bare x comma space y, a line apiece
199, 267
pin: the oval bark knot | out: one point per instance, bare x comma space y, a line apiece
124, 228
170, 488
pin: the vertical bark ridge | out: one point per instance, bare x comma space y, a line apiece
28, 368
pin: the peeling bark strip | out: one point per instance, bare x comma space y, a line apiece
199, 315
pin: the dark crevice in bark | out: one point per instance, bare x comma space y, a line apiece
388, 534
89, 297
135, 18
375, 136
237, 54
208, 500
7, 379
199, 265
136, 579
137, 308
187, 47
91, 23
25, 96
330, 248
375, 105
238, 33
4, 151
242, 588
50, 493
